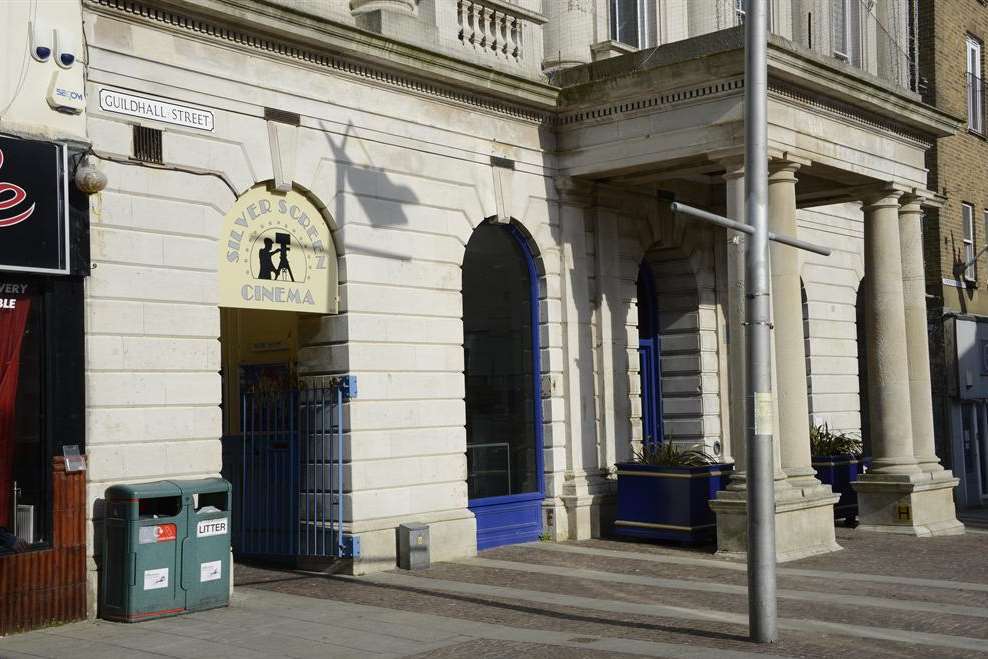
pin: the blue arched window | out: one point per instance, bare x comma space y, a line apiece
502, 386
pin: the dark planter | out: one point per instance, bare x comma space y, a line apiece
668, 503
839, 471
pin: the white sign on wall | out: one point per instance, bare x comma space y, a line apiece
155, 109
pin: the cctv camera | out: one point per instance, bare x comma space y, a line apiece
65, 48
41, 41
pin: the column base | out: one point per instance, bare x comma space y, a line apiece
919, 504
804, 523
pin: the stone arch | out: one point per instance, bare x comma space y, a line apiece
683, 265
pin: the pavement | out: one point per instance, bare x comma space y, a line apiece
882, 596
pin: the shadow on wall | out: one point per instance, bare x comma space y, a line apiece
366, 182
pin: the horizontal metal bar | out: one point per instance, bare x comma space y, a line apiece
722, 221
712, 218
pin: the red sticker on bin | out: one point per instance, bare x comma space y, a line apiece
158, 533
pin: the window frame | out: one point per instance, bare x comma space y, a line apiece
61, 301
643, 37
974, 52
844, 54
969, 240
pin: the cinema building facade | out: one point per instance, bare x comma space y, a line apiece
446, 220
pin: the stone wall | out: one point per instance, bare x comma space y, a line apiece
404, 177
831, 285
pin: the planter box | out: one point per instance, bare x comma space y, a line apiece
839, 471
668, 503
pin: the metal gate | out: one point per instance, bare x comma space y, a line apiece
286, 468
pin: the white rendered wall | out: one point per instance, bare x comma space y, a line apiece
404, 178
831, 285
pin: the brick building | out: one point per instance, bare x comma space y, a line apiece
952, 59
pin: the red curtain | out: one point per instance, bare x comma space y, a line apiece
12, 322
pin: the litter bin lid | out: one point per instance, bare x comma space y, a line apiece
203, 485
153, 490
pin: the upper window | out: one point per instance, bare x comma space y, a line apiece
985, 222
628, 24
844, 30
739, 11
967, 224
975, 87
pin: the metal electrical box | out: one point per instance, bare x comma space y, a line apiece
413, 546
970, 338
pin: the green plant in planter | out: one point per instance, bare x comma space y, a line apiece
668, 454
824, 441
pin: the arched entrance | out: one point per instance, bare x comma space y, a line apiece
283, 437
502, 388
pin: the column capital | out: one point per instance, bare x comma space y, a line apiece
574, 192
398, 6
881, 197
733, 167
787, 158
910, 204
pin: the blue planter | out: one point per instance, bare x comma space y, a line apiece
668, 503
839, 471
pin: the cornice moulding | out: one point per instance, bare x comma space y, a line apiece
320, 37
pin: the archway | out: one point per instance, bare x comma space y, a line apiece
282, 437
649, 356
502, 387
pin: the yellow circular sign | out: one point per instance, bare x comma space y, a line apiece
277, 253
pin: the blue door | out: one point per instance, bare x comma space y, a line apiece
649, 355
502, 389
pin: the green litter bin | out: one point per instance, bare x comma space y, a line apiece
144, 527
166, 549
206, 549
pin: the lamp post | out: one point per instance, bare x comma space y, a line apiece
762, 606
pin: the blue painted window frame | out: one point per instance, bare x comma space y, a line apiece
533, 277
649, 357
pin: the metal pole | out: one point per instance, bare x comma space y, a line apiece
713, 218
762, 608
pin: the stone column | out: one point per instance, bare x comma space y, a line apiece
736, 336
790, 345
895, 496
804, 514
885, 324
917, 340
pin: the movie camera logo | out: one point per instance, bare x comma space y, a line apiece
280, 244
15, 195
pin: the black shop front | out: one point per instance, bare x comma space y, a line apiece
44, 258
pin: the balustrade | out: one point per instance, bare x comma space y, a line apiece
490, 27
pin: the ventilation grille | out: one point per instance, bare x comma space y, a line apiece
147, 144
282, 117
